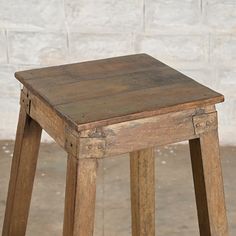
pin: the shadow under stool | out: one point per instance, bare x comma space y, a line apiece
103, 108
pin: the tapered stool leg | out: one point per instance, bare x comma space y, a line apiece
80, 197
208, 184
22, 175
142, 192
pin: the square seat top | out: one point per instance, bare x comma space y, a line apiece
96, 93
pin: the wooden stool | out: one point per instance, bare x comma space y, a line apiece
108, 107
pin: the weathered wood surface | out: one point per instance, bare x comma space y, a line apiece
147, 132
142, 178
70, 195
103, 92
208, 182
45, 115
123, 137
80, 197
205, 122
22, 175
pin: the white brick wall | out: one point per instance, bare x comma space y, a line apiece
220, 13
9, 101
32, 14
3, 47
37, 48
161, 13
176, 50
198, 37
224, 49
104, 15
94, 46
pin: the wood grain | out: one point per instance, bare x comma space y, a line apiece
114, 84
22, 175
142, 176
103, 92
123, 137
70, 194
154, 131
90, 69
143, 102
49, 120
208, 183
149, 132
80, 197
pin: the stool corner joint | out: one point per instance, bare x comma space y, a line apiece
205, 122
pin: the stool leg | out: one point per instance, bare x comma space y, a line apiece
22, 175
208, 185
80, 197
143, 192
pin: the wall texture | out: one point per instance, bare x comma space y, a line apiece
197, 37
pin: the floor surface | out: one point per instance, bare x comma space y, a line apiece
175, 213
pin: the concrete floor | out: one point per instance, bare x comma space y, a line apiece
176, 213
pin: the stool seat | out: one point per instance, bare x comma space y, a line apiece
109, 91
